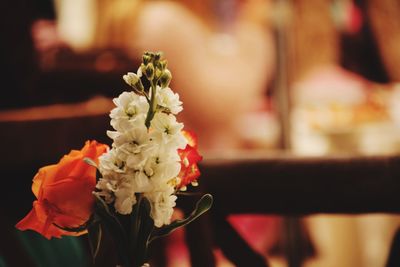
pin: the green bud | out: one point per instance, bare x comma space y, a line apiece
165, 78
162, 64
157, 56
158, 73
134, 81
149, 71
131, 78
146, 58
139, 86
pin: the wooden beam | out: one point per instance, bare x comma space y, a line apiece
287, 184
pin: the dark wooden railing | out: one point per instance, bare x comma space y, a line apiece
286, 184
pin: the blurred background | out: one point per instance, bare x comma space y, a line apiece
308, 77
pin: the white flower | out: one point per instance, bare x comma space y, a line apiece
124, 198
130, 107
137, 161
110, 164
166, 123
143, 160
162, 167
169, 100
142, 182
106, 187
162, 204
167, 131
131, 140
130, 78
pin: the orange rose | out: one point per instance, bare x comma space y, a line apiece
64, 193
189, 158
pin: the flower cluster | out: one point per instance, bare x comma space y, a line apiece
151, 159
151, 155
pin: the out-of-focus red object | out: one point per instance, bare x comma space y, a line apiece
189, 158
259, 231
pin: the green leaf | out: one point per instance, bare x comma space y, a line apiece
101, 204
113, 225
95, 234
135, 223
203, 205
78, 229
145, 228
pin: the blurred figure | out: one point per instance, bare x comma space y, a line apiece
221, 54
343, 98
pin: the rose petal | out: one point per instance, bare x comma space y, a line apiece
36, 220
47, 171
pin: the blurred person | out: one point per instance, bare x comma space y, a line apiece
343, 94
221, 55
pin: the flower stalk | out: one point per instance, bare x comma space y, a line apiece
152, 103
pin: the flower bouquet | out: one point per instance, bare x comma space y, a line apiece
129, 189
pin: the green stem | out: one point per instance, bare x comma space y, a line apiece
153, 104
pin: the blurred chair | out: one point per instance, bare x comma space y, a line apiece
394, 255
287, 185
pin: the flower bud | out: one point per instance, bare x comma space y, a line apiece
161, 64
165, 78
157, 56
146, 58
149, 71
158, 73
131, 78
